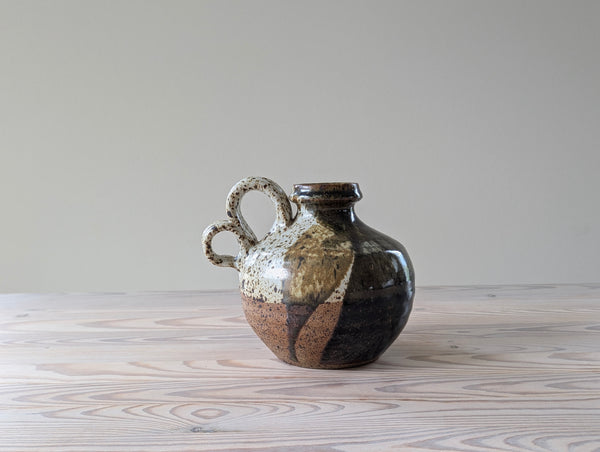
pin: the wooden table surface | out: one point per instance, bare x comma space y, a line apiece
476, 369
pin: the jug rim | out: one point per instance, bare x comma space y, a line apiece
326, 192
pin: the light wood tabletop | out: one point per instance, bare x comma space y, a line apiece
476, 369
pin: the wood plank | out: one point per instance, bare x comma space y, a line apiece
477, 368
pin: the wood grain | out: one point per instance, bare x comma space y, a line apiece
477, 369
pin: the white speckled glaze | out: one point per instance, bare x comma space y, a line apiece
321, 289
238, 226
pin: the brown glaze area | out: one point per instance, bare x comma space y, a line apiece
316, 333
316, 270
272, 323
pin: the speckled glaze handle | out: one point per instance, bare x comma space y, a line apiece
236, 223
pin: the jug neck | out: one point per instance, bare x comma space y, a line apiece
333, 199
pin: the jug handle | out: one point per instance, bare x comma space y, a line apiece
236, 223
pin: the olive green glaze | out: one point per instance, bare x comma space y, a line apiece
323, 289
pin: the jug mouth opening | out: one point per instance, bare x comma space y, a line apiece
326, 192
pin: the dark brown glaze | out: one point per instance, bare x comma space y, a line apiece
379, 295
378, 299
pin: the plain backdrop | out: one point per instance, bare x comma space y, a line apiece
472, 127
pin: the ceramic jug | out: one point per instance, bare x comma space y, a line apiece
321, 289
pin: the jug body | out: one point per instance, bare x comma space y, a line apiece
323, 289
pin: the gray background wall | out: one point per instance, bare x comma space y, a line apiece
473, 128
